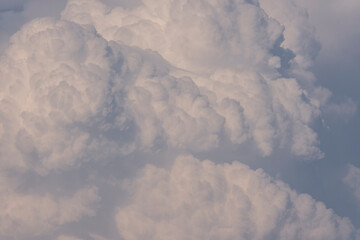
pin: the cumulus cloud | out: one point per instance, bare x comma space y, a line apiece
240, 60
55, 76
15, 13
343, 17
67, 94
32, 214
298, 32
234, 35
110, 81
202, 200
68, 90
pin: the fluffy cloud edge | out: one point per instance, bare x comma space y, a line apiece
201, 200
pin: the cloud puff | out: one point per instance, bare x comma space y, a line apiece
244, 58
201, 200
274, 112
103, 82
68, 95
54, 82
68, 92
15, 13
232, 33
299, 34
33, 214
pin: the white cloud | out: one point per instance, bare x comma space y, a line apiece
298, 32
111, 82
171, 28
15, 13
70, 93
234, 60
55, 80
33, 214
201, 200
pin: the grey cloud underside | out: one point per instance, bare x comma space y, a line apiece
106, 83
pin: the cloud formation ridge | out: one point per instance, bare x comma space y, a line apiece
102, 84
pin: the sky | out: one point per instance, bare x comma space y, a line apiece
178, 119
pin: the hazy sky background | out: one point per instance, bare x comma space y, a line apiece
109, 110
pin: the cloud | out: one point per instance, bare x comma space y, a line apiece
71, 92
352, 179
67, 238
171, 28
15, 13
202, 200
68, 94
243, 59
54, 79
111, 85
93, 237
299, 34
337, 28
330, 13
33, 214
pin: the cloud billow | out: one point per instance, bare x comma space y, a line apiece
102, 84
231, 60
202, 200
77, 87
